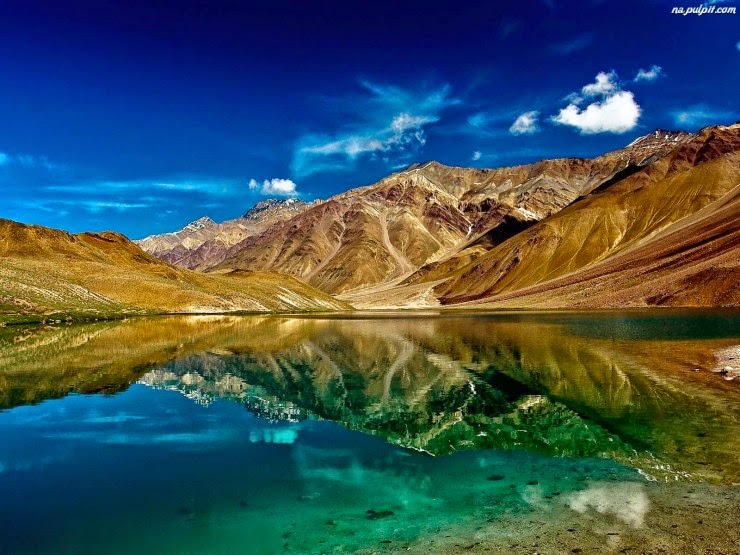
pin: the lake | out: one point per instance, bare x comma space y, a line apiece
365, 433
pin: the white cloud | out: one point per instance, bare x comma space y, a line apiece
613, 111
605, 83
648, 74
476, 155
701, 114
618, 113
275, 187
4, 159
525, 124
388, 124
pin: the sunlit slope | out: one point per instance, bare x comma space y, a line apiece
666, 235
421, 219
45, 270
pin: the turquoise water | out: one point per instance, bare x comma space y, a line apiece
451, 433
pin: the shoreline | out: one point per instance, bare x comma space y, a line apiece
72, 317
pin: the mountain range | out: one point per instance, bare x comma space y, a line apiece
47, 273
203, 241
654, 223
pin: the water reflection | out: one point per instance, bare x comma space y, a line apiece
554, 384
627, 501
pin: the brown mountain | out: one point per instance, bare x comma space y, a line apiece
668, 234
44, 271
430, 217
203, 243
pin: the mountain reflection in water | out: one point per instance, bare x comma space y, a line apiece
617, 386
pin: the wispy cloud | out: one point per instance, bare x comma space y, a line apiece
93, 206
476, 155
700, 115
525, 124
612, 110
572, 45
96, 206
29, 161
478, 120
487, 125
275, 187
204, 185
648, 74
34, 184
388, 122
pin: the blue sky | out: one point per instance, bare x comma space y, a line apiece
143, 116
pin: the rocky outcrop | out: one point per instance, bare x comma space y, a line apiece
203, 243
668, 234
430, 219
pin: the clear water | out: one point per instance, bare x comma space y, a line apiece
509, 433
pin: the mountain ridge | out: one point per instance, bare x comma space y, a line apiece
654, 223
45, 271
202, 243
420, 217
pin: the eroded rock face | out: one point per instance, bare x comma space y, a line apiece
429, 219
203, 243
668, 234
434, 233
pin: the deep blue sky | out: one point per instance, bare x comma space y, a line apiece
143, 116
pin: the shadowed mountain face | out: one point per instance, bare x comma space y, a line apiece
420, 217
204, 243
652, 224
666, 235
45, 271
619, 386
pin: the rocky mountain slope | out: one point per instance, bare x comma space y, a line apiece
45, 271
203, 243
655, 223
668, 234
430, 216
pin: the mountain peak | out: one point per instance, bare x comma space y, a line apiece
660, 137
265, 207
431, 164
200, 223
